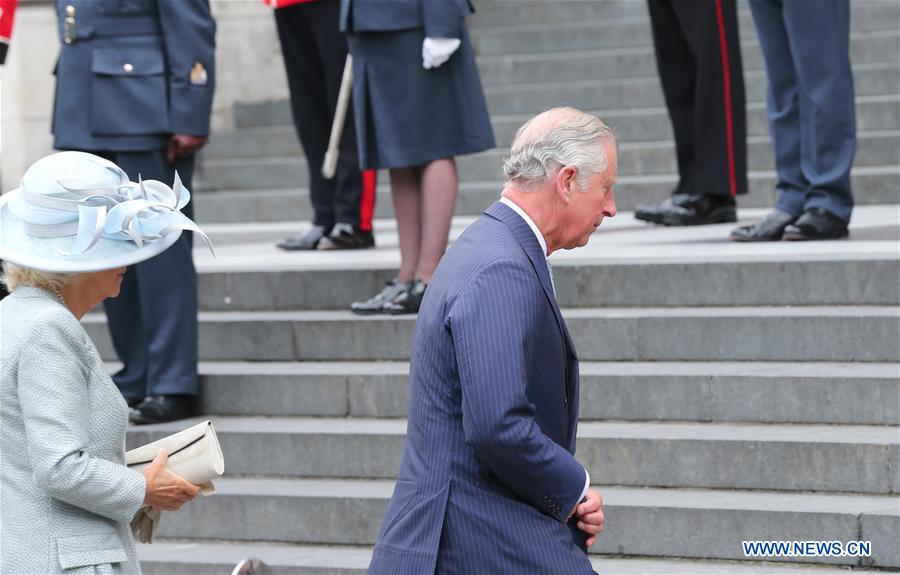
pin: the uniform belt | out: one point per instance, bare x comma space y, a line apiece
112, 27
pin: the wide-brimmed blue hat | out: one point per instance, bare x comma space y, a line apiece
77, 212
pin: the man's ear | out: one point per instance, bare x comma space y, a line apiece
566, 183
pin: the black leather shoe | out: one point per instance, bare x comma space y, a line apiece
376, 304
653, 213
769, 229
408, 301
134, 401
308, 240
161, 408
700, 210
346, 237
817, 224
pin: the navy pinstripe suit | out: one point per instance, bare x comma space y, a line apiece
488, 474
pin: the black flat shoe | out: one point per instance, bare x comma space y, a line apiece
769, 229
376, 304
162, 408
134, 401
345, 237
817, 224
308, 240
408, 301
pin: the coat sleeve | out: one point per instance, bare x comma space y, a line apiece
189, 35
53, 395
490, 323
443, 18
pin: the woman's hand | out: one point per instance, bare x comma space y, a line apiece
165, 490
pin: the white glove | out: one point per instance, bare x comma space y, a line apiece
436, 51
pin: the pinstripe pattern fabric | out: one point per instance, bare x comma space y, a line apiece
66, 496
488, 473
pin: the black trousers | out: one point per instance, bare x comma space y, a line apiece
314, 54
698, 55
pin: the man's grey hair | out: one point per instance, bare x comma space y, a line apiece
556, 138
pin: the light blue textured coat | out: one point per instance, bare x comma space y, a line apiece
67, 497
488, 475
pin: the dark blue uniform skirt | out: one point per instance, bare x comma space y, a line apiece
407, 115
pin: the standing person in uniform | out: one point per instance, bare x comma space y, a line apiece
806, 47
134, 84
314, 53
698, 55
418, 103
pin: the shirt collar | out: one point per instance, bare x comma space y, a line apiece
515, 207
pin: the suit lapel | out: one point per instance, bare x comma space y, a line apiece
525, 236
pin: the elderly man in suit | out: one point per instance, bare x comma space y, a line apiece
489, 482
135, 85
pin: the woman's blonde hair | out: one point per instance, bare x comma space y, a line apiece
15, 276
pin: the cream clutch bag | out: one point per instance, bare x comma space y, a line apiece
194, 454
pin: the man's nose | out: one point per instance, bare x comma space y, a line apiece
610, 210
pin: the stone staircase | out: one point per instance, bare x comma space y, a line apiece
729, 392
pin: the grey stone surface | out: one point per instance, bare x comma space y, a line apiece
631, 125
639, 334
645, 158
882, 530
167, 557
756, 392
881, 185
641, 454
590, 284
631, 55
657, 522
590, 94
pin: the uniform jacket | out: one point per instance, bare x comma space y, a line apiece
67, 497
439, 18
130, 72
488, 474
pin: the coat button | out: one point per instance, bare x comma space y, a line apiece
128, 68
70, 10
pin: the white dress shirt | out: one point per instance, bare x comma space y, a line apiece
540, 238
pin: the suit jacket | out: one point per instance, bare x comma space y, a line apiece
67, 497
488, 474
130, 72
439, 18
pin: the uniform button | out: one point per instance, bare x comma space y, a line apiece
70, 10
128, 68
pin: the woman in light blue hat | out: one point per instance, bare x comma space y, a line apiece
66, 235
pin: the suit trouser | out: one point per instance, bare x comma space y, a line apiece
314, 54
806, 46
153, 321
698, 56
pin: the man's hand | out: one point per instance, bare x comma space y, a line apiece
590, 515
183, 145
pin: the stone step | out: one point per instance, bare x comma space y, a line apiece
755, 392
589, 94
874, 185
495, 15
192, 557
874, 149
698, 523
634, 31
592, 94
638, 454
619, 61
812, 333
583, 283
873, 113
